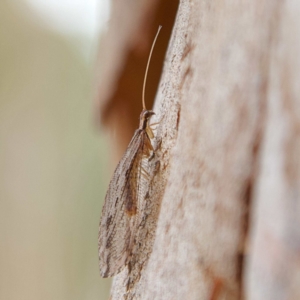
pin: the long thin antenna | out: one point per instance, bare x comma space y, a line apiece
146, 73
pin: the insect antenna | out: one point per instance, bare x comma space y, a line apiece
146, 73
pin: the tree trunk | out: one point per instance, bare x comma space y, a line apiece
223, 207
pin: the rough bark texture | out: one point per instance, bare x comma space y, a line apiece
226, 188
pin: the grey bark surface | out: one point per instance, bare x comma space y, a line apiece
226, 213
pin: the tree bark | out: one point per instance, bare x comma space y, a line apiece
224, 212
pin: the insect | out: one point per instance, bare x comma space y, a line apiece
122, 210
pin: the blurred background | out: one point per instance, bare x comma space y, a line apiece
53, 160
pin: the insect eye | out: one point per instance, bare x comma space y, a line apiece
146, 114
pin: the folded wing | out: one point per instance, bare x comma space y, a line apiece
121, 211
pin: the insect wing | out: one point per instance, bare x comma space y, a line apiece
118, 221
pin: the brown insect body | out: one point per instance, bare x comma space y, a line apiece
124, 201
145, 135
121, 211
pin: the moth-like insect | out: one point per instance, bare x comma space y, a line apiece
122, 210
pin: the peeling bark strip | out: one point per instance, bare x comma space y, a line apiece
227, 186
